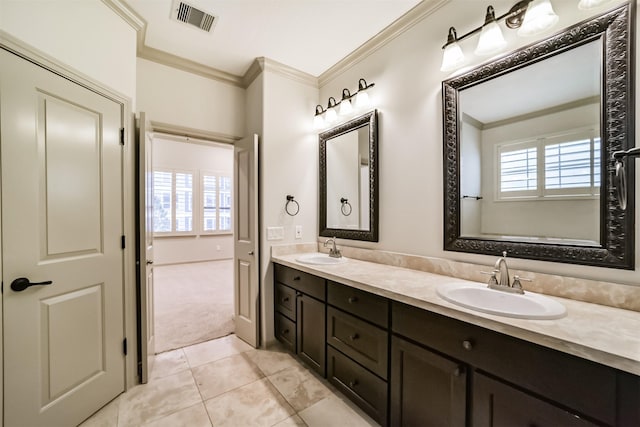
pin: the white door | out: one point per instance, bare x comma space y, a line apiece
61, 223
246, 260
145, 245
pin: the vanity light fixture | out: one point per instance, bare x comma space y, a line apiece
530, 16
345, 107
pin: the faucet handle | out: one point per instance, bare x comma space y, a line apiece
516, 282
492, 280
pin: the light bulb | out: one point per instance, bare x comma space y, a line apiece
362, 100
345, 107
330, 116
452, 57
538, 18
318, 122
491, 39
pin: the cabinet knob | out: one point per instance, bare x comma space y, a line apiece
467, 345
458, 371
296, 278
353, 383
285, 332
352, 300
354, 337
285, 299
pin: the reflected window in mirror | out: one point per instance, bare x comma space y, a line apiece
348, 180
528, 140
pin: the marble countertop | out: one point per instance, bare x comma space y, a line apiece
607, 335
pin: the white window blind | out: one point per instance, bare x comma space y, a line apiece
518, 170
172, 201
162, 201
216, 207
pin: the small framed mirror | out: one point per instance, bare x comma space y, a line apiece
528, 144
349, 179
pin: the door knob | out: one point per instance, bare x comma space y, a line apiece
22, 283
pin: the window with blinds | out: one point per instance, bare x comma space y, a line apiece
216, 207
567, 164
172, 202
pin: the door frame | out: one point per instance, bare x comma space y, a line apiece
51, 64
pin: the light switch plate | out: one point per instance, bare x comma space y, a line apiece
298, 232
275, 233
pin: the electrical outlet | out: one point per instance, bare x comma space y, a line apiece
298, 232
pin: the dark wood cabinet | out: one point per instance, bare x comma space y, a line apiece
427, 389
311, 337
300, 315
496, 404
405, 366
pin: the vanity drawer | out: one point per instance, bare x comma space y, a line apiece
363, 342
304, 282
285, 332
368, 306
286, 301
365, 389
587, 387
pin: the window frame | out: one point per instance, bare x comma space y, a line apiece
542, 193
174, 200
218, 217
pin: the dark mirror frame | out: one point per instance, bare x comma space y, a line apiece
616, 249
371, 235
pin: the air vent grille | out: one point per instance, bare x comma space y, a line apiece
188, 14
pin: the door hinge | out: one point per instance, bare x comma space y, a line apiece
121, 136
124, 346
122, 242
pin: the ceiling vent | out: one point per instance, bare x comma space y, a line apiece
183, 12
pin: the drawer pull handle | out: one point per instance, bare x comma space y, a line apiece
285, 299
352, 300
353, 383
296, 278
354, 337
467, 345
285, 332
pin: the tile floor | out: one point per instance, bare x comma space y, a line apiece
225, 382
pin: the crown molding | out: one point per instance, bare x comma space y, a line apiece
265, 64
191, 133
129, 15
398, 27
164, 58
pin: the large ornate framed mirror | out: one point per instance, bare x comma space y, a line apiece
349, 179
528, 144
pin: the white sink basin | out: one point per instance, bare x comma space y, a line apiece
480, 297
320, 259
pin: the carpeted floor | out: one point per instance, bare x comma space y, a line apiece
193, 303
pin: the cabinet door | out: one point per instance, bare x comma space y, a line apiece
311, 332
426, 388
498, 404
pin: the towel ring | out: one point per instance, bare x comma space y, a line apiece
290, 199
346, 208
621, 184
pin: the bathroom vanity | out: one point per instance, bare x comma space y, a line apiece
383, 337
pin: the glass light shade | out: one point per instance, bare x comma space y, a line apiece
491, 39
592, 4
538, 18
330, 116
452, 57
318, 121
345, 107
362, 99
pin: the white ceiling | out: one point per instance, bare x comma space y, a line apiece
308, 35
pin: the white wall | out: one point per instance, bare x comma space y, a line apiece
176, 97
408, 96
85, 35
190, 156
281, 113
470, 180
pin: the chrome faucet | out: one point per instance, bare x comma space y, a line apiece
333, 252
501, 266
505, 284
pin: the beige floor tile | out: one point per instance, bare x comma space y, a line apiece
163, 396
105, 417
332, 411
168, 363
211, 351
294, 421
225, 374
193, 416
272, 360
255, 404
300, 387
